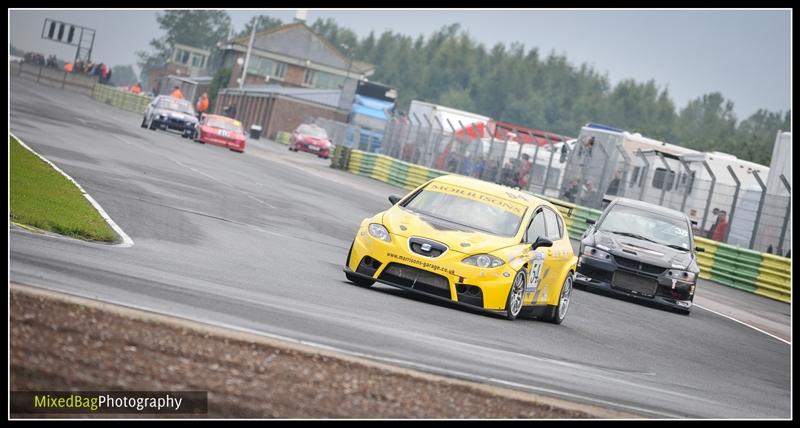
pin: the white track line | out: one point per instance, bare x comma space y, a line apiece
126, 240
744, 323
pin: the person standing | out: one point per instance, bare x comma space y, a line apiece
715, 211
202, 105
722, 227
176, 92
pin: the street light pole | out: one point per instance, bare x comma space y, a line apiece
249, 49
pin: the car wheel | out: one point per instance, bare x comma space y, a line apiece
151, 125
144, 122
514, 300
559, 312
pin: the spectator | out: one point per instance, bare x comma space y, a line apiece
613, 186
589, 194
136, 88
715, 211
721, 228
108, 77
477, 169
524, 171
202, 104
176, 92
572, 190
68, 67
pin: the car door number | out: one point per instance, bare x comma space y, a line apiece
223, 133
536, 270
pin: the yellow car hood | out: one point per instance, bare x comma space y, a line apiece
405, 223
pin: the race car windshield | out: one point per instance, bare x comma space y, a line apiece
641, 224
314, 132
176, 106
224, 124
466, 211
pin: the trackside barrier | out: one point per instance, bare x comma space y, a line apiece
124, 100
283, 137
763, 274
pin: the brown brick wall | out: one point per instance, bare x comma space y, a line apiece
275, 114
288, 115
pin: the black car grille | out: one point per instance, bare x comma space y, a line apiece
176, 123
594, 273
635, 284
417, 279
639, 266
436, 248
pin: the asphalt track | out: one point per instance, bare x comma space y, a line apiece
257, 241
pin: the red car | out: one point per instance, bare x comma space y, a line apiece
222, 131
312, 139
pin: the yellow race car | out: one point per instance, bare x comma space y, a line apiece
471, 242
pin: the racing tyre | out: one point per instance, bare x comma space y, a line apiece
144, 122
515, 294
557, 314
151, 125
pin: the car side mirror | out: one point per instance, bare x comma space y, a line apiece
394, 199
541, 242
589, 221
699, 249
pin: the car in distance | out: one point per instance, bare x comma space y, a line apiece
166, 112
641, 250
471, 242
221, 131
311, 138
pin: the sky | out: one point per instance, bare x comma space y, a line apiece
744, 54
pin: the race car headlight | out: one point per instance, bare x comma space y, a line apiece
595, 253
682, 275
379, 232
483, 260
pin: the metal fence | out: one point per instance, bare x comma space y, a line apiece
588, 173
729, 205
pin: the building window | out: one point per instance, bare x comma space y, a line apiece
280, 70
309, 78
328, 81
198, 61
663, 180
181, 56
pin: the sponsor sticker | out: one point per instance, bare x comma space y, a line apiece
502, 203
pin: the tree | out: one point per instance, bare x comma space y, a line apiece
123, 75
197, 28
265, 22
220, 81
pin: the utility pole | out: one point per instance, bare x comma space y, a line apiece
249, 49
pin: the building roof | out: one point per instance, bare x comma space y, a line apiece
297, 40
329, 97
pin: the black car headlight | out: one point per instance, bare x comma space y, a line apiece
596, 253
682, 275
484, 261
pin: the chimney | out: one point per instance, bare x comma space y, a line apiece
300, 15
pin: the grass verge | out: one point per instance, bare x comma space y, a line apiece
43, 198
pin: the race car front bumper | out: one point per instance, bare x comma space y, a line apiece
444, 277
656, 289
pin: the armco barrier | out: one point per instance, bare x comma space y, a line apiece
751, 271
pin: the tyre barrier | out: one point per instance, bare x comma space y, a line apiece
283, 137
758, 273
124, 100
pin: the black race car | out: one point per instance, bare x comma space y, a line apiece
166, 112
640, 250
